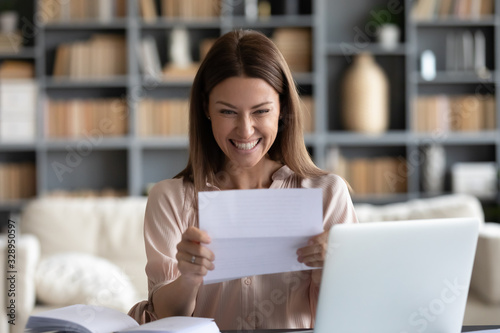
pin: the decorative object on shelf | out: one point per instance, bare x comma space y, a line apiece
476, 178
365, 96
428, 65
8, 21
388, 36
433, 168
384, 24
251, 10
179, 48
181, 65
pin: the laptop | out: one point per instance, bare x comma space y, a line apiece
401, 277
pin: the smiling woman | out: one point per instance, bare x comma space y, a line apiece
245, 132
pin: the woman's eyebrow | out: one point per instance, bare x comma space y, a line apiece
234, 107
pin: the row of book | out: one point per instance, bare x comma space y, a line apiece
18, 100
442, 113
76, 118
374, 176
186, 9
102, 56
17, 180
163, 117
51, 11
462, 9
296, 46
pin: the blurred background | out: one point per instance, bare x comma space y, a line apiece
399, 96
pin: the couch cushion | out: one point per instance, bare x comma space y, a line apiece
447, 206
78, 278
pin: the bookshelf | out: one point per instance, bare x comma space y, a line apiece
126, 162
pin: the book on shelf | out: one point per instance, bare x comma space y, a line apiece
461, 9
81, 318
79, 117
148, 10
17, 69
18, 100
190, 9
103, 11
102, 56
458, 113
308, 114
163, 117
17, 180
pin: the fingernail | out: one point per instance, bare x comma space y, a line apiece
299, 252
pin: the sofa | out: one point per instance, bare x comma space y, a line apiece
91, 250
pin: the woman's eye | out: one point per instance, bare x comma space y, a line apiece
262, 111
227, 112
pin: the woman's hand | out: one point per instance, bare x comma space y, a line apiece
314, 253
193, 259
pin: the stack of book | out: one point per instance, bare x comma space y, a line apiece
163, 117
17, 181
51, 11
186, 9
296, 46
103, 56
76, 118
373, 176
462, 9
10, 42
442, 113
18, 100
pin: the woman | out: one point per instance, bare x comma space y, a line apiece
245, 133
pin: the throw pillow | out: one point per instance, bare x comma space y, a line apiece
79, 278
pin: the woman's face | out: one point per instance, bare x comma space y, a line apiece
244, 113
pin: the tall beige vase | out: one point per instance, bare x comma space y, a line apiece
365, 96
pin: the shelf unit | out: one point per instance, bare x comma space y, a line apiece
131, 162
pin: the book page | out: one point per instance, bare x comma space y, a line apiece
258, 231
95, 319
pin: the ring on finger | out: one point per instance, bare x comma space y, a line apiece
193, 259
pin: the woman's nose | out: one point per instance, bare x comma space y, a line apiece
245, 126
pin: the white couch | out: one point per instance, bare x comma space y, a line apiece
92, 250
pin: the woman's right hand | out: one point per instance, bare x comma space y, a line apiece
194, 259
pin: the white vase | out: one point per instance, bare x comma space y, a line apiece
365, 96
388, 36
433, 169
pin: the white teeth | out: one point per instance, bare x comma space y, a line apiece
246, 146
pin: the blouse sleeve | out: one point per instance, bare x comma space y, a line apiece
337, 208
164, 224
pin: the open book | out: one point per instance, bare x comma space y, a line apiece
97, 319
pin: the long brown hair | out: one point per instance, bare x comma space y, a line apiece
251, 54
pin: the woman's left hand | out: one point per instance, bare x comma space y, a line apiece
314, 253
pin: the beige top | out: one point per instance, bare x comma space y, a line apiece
284, 300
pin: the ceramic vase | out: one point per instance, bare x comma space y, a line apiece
365, 96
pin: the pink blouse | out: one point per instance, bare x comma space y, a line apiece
284, 300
